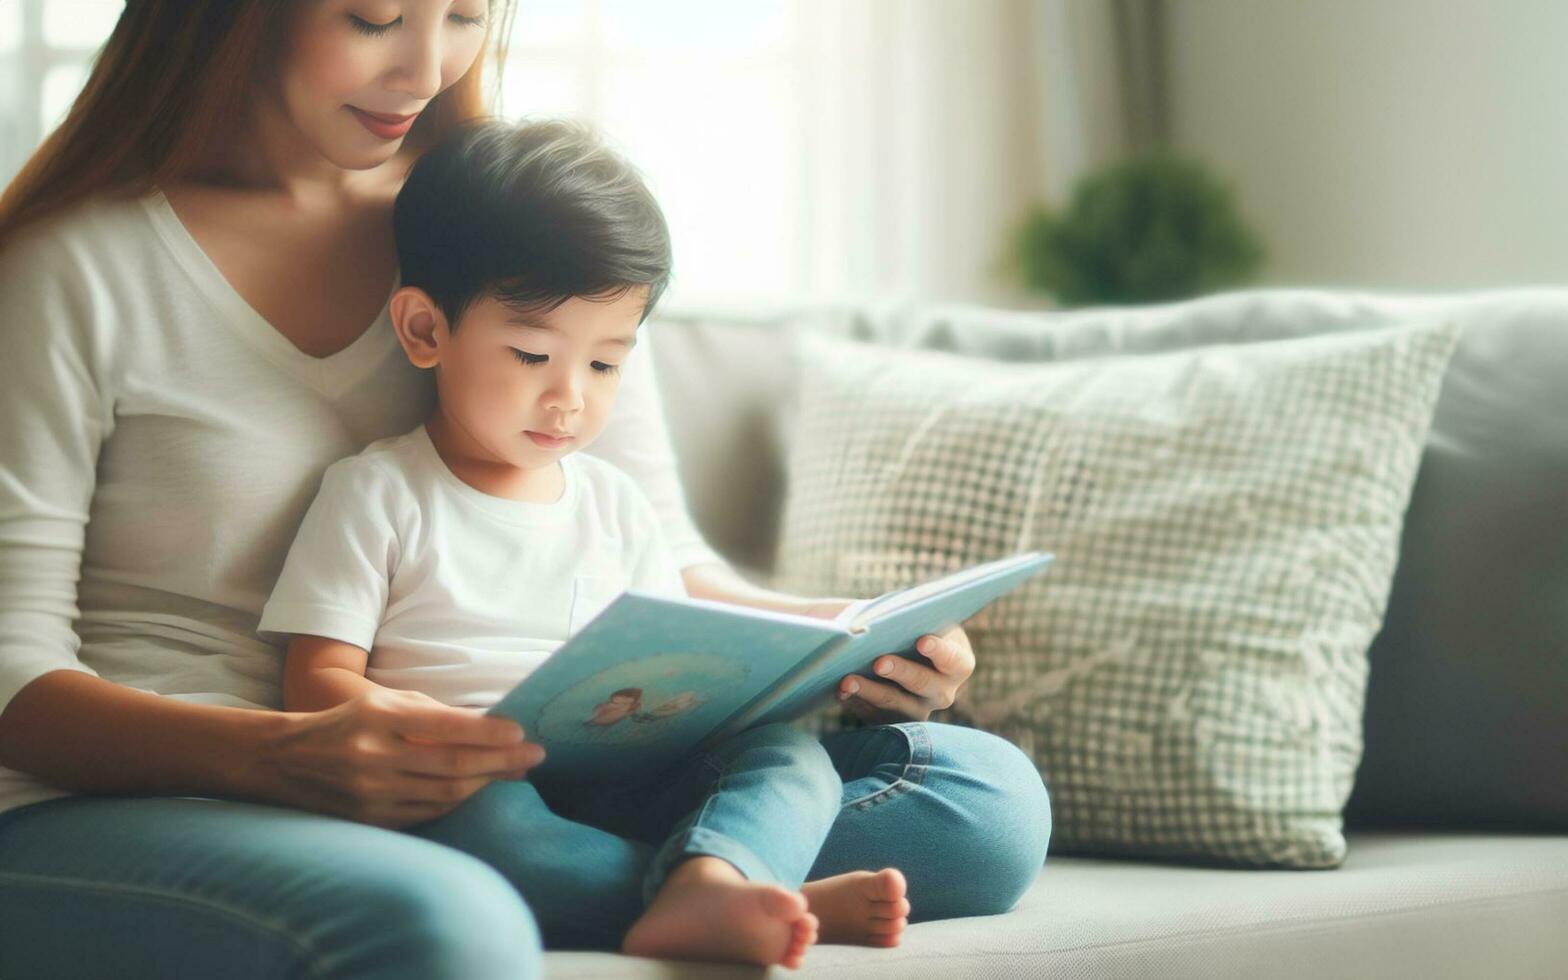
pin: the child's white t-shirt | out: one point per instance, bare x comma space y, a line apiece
453, 591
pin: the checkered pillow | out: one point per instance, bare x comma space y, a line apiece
1189, 676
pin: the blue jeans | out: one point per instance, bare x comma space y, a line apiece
962, 813
165, 887
589, 857
142, 887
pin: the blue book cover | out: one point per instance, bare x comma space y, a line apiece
651, 678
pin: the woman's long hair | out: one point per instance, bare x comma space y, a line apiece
172, 82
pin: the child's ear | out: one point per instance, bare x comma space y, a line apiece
421, 326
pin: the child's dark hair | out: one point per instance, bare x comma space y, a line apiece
533, 214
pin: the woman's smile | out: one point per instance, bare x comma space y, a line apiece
388, 127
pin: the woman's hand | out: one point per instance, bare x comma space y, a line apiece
909, 690
394, 758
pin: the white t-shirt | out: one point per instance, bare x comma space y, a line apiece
159, 445
455, 592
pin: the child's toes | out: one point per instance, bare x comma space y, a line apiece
802, 936
808, 928
886, 932
887, 885
891, 910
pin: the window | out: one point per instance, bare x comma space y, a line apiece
703, 96
45, 52
801, 149
700, 94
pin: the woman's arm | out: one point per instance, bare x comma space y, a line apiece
637, 440
58, 720
721, 583
389, 758
56, 408
86, 734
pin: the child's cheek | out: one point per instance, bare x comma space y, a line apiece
506, 392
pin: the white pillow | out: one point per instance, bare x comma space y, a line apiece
1190, 674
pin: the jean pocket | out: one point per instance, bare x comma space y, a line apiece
895, 757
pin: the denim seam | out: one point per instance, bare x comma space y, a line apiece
671, 848
664, 860
918, 742
272, 930
726, 848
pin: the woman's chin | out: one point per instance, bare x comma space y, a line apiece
350, 154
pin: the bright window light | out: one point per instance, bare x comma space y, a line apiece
10, 27
62, 84
79, 24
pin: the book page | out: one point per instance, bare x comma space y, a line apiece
890, 630
891, 602
851, 612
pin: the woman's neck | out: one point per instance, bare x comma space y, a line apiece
274, 157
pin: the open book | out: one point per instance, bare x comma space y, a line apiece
651, 678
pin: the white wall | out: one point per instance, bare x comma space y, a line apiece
1388, 143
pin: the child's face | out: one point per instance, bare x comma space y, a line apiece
528, 389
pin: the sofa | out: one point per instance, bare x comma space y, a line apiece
1458, 825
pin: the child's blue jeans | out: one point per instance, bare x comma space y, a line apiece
164, 887
962, 813
589, 857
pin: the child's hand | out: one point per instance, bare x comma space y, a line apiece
394, 758
912, 690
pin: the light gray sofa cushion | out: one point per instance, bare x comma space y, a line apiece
1434, 906
1464, 723
1190, 675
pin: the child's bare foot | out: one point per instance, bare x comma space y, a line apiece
866, 908
707, 910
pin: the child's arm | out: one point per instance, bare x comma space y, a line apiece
331, 593
320, 673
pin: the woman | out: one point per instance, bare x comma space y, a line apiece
187, 270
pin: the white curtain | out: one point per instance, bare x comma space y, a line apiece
802, 148
931, 126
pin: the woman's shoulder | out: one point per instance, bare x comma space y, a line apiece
72, 272
85, 237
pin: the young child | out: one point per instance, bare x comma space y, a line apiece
454, 559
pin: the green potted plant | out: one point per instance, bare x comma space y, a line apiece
1152, 229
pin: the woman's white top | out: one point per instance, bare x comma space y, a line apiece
160, 443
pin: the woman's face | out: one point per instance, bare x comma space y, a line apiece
355, 74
